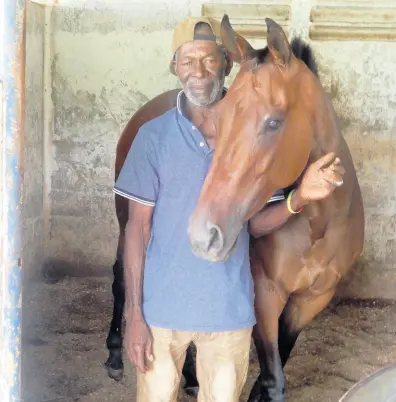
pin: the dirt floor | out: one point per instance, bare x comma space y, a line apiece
66, 323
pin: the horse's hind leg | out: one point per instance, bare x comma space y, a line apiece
189, 372
114, 363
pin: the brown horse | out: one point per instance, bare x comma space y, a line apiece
275, 119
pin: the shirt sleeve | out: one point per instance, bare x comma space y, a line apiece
279, 195
138, 179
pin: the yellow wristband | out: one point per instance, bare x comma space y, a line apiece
288, 203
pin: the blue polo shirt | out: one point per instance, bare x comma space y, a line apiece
166, 168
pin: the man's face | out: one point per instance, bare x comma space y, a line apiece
200, 66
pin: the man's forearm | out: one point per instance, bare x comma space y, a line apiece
134, 258
274, 216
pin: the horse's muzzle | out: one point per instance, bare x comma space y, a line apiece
208, 240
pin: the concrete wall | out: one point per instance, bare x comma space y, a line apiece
101, 76
362, 86
33, 235
106, 64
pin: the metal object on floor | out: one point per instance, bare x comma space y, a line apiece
379, 387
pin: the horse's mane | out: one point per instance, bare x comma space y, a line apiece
304, 52
300, 49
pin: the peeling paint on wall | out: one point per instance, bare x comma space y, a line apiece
100, 78
106, 66
33, 162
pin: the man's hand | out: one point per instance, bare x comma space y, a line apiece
139, 342
321, 178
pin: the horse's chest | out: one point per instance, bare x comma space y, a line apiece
282, 256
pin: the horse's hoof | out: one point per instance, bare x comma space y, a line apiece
265, 399
115, 374
192, 391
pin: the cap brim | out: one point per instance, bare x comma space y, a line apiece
172, 67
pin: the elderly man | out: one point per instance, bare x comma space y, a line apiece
174, 298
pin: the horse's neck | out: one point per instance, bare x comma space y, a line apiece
326, 137
327, 134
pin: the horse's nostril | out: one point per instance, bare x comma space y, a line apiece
216, 239
206, 238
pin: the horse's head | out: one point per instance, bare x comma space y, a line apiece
265, 129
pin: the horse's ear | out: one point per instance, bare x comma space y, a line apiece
277, 42
237, 46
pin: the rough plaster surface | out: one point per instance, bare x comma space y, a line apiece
361, 80
107, 64
33, 160
101, 76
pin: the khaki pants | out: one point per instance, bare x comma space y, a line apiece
222, 365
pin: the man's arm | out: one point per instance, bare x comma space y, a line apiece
274, 216
138, 181
137, 236
319, 181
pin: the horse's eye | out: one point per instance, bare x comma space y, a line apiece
273, 125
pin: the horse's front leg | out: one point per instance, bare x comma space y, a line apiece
114, 363
300, 310
270, 384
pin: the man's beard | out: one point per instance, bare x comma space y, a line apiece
203, 100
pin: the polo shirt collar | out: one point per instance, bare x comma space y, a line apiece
193, 131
